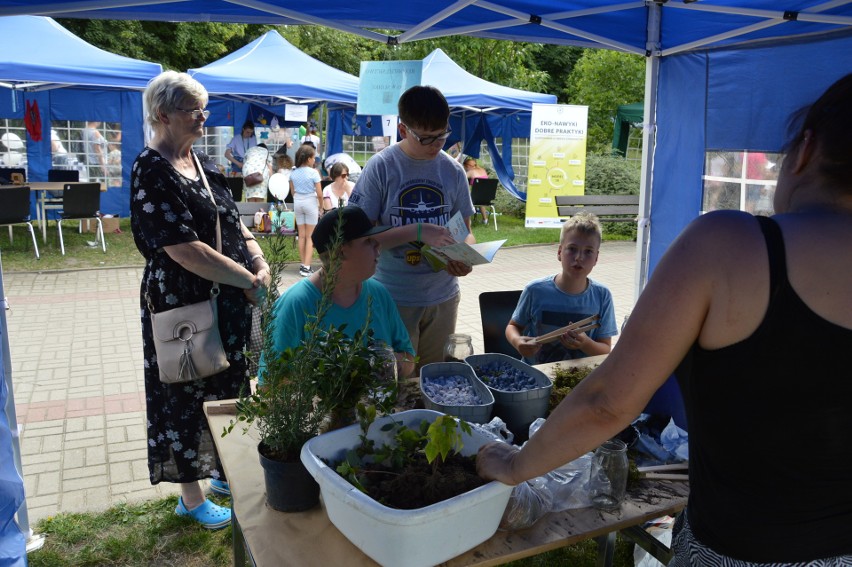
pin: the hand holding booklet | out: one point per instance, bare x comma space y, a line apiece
470, 254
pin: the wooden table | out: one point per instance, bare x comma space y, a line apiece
308, 538
41, 188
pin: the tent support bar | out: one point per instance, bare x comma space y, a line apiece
412, 33
774, 18
299, 16
546, 22
649, 141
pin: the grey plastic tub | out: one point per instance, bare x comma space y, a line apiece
474, 414
517, 409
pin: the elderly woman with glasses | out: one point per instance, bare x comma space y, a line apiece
336, 194
179, 202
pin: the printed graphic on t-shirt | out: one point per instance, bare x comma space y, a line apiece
420, 203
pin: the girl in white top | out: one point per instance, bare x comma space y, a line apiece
338, 190
307, 197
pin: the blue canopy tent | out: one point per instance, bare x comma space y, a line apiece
720, 74
480, 110
264, 75
71, 80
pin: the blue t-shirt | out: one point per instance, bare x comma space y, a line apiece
543, 308
304, 180
300, 300
395, 190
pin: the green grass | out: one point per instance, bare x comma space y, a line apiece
150, 534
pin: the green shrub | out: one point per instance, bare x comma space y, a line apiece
611, 175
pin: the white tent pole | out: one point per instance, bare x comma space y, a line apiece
649, 139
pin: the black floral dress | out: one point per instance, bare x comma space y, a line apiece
167, 208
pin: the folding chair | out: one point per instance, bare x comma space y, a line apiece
81, 201
482, 193
16, 210
495, 311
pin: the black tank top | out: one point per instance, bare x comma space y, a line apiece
770, 432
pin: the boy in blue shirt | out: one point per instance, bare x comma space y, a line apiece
552, 302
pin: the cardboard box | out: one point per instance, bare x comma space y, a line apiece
110, 224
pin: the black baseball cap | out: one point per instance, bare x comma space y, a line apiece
353, 222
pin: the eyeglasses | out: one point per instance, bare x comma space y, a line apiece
196, 113
428, 140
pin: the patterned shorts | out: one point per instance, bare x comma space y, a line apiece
689, 552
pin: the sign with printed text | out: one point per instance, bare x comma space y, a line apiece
557, 160
296, 112
381, 83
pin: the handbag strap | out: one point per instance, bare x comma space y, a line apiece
214, 291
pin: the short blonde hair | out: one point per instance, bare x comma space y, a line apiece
166, 91
584, 223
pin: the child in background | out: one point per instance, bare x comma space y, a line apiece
552, 302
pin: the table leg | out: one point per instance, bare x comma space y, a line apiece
238, 542
606, 549
649, 543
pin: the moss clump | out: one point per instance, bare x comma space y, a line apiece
565, 380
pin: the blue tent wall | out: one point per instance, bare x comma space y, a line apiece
737, 99
79, 104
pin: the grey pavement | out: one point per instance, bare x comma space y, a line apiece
76, 354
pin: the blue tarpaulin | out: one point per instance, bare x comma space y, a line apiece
71, 80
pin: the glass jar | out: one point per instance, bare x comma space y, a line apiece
608, 480
457, 348
383, 363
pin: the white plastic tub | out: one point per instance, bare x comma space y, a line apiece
403, 538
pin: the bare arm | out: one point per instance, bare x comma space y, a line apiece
204, 261
526, 346
431, 234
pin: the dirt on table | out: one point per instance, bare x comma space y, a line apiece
416, 486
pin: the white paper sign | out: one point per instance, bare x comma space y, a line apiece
296, 112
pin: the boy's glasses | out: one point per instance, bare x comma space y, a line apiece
428, 140
196, 113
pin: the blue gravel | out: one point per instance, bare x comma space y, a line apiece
505, 377
451, 391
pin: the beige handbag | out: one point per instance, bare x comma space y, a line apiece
186, 338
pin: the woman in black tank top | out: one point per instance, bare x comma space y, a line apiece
754, 314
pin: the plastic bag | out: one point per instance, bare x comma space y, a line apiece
496, 428
569, 484
529, 501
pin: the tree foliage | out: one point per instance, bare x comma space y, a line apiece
174, 45
603, 80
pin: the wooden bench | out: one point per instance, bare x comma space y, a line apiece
608, 208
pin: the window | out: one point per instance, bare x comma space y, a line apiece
91, 147
13, 143
740, 180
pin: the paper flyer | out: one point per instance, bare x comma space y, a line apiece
470, 254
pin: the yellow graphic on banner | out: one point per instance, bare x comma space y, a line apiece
557, 160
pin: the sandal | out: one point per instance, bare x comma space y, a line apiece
209, 515
220, 487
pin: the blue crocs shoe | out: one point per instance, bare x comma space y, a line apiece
220, 487
209, 515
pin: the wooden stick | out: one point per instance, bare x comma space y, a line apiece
660, 468
664, 476
572, 327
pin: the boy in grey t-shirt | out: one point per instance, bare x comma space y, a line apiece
416, 188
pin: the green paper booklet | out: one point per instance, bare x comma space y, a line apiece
470, 254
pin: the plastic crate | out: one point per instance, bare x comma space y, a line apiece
517, 409
474, 414
403, 538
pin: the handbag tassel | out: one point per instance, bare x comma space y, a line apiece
186, 370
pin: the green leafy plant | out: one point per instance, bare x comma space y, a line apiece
435, 440
316, 385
